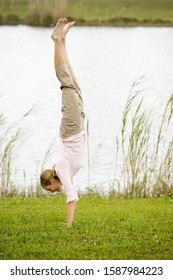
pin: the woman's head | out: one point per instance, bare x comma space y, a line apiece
50, 181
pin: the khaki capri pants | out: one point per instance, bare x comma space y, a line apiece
72, 103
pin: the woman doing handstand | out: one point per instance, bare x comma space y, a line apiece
72, 125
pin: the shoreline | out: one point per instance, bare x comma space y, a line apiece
87, 13
94, 23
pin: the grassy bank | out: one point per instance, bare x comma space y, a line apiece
105, 228
88, 12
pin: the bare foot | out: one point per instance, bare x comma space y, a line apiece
61, 28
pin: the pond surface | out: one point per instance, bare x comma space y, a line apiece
106, 60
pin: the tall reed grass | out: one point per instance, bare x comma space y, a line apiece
45, 12
147, 163
11, 137
147, 160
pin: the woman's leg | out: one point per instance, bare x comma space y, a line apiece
59, 37
60, 54
73, 76
72, 102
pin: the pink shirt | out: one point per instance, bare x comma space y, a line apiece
70, 162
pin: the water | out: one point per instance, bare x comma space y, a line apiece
106, 60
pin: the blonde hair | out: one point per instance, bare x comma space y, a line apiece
46, 176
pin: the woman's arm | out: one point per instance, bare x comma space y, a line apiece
71, 206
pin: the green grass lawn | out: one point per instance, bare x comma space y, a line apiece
104, 228
88, 12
